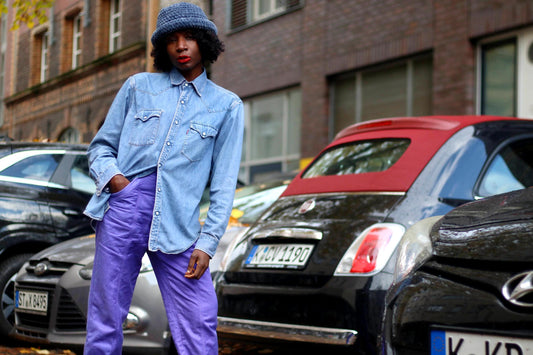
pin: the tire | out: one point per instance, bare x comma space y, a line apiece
8, 271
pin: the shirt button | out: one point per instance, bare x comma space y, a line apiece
157, 213
182, 101
203, 134
168, 143
186, 85
159, 189
176, 122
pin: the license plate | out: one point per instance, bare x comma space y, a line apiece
292, 256
31, 301
445, 342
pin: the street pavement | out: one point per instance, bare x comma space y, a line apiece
225, 348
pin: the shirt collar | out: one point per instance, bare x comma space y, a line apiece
198, 84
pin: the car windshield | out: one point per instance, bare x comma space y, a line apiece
358, 157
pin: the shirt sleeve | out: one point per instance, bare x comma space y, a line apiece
224, 174
102, 151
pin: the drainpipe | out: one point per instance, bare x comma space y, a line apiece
153, 11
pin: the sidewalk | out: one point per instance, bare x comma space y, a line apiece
15, 351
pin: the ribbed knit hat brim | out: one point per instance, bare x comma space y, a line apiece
178, 17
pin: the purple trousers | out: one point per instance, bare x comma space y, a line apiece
121, 241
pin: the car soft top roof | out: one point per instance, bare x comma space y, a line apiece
427, 135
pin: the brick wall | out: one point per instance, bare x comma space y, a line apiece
328, 37
74, 98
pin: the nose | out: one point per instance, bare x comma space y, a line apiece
181, 44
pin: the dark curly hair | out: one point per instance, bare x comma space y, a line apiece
208, 43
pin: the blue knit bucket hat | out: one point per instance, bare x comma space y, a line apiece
181, 16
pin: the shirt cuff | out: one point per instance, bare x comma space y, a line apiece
207, 243
104, 178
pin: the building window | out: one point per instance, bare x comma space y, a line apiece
498, 78
248, 12
44, 57
69, 135
267, 8
272, 137
503, 63
76, 41
114, 25
399, 89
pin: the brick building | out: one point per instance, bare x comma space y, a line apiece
304, 68
60, 77
308, 68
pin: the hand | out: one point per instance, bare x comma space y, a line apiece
198, 263
117, 183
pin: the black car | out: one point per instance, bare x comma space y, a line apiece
44, 188
317, 265
469, 289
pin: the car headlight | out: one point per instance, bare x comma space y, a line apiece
415, 247
86, 272
371, 250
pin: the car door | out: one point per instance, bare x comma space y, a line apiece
70, 191
24, 194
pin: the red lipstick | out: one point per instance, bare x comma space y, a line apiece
184, 59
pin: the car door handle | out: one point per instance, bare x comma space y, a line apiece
70, 212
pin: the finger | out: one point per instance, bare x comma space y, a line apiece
190, 268
199, 272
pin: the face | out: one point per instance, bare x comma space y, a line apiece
184, 54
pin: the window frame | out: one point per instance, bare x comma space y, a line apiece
76, 40
408, 65
491, 43
245, 13
43, 58
115, 34
274, 9
286, 158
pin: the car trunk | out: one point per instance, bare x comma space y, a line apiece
327, 222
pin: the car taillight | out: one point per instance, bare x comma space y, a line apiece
371, 249
368, 252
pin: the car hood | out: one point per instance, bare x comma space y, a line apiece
495, 228
73, 251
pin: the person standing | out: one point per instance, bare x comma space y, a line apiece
167, 136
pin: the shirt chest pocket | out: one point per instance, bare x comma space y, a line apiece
145, 127
198, 140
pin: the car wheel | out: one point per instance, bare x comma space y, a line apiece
8, 271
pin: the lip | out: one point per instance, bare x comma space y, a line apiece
184, 59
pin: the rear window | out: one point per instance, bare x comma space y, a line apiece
358, 157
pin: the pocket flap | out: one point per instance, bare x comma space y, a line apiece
204, 130
145, 115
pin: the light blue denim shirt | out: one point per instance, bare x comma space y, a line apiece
190, 133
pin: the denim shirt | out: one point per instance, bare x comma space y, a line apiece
189, 133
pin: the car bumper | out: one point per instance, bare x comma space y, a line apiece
288, 332
64, 323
